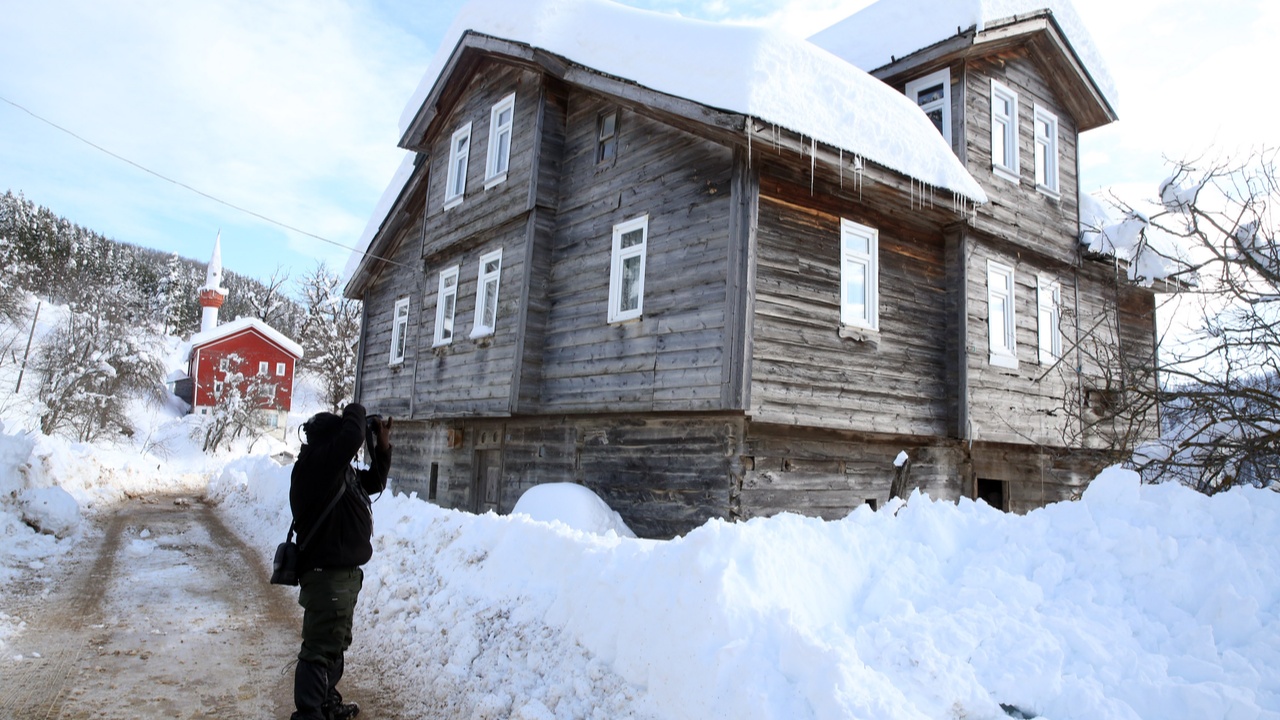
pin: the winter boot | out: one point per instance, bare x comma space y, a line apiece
341, 711
334, 708
310, 685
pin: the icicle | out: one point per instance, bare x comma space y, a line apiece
813, 163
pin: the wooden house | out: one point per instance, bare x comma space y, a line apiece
742, 276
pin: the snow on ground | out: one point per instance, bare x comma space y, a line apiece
1135, 602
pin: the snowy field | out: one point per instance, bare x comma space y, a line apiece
1148, 602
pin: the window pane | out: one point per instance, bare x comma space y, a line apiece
998, 145
855, 294
1042, 168
608, 125
630, 299
492, 266
504, 116
929, 95
633, 238
446, 330
504, 151
490, 313
857, 243
935, 117
450, 281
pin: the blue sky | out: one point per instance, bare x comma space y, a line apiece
289, 109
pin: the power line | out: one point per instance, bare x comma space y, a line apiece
199, 192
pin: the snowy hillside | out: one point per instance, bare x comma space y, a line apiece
1148, 602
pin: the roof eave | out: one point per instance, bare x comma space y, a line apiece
1042, 34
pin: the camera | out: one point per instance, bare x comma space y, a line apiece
371, 425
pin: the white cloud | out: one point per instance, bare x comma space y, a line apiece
287, 108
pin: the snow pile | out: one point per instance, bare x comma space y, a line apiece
1136, 602
1150, 254
876, 35
574, 505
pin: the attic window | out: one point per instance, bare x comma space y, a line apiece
607, 137
500, 122
263, 365
280, 369
626, 275
456, 181
1004, 131
933, 94
1046, 137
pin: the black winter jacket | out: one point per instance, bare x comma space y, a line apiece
343, 538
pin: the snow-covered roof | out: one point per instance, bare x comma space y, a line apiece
888, 29
231, 328
759, 72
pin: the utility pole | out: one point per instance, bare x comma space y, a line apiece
27, 352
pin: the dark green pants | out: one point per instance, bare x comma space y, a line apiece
328, 600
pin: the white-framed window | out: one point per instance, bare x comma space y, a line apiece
263, 367
455, 185
487, 294
446, 306
217, 388
933, 94
1049, 318
607, 136
222, 364
400, 330
501, 118
859, 275
626, 269
1004, 131
1046, 137
280, 369
1001, 321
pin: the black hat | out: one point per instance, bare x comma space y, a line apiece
321, 426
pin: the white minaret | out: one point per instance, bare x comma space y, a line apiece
212, 294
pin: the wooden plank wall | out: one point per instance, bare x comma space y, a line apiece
672, 357
665, 474
474, 376
386, 388
803, 372
1022, 405
1019, 212
828, 474
483, 210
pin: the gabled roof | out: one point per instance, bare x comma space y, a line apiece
885, 32
241, 325
754, 72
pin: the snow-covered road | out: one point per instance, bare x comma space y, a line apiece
164, 613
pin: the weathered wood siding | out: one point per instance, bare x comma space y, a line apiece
474, 376
665, 474
671, 357
482, 209
1018, 211
1027, 404
802, 371
386, 388
828, 473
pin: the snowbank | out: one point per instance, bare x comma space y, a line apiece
1136, 602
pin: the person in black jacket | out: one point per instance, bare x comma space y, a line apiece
337, 544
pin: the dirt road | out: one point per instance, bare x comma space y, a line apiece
160, 613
